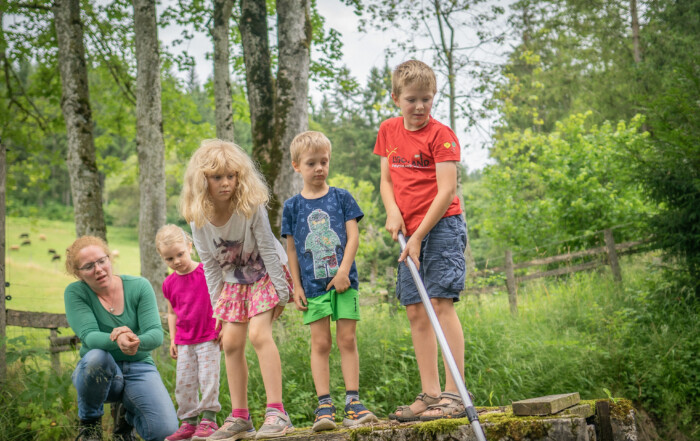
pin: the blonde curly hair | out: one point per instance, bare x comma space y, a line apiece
215, 156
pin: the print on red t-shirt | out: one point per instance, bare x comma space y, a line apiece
412, 157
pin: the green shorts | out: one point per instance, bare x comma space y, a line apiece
345, 305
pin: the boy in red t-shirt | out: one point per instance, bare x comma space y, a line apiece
419, 157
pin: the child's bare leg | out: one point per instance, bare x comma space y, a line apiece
321, 343
233, 342
349, 359
452, 328
425, 347
260, 335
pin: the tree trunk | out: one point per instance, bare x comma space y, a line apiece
260, 84
635, 32
291, 109
150, 144
75, 105
222, 76
277, 112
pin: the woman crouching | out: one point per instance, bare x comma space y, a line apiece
117, 321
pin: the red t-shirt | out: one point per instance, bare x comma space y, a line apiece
412, 157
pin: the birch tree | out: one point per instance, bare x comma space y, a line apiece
222, 75
149, 142
86, 187
278, 108
451, 32
291, 109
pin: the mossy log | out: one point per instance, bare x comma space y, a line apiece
499, 424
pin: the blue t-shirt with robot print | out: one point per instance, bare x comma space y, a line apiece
318, 227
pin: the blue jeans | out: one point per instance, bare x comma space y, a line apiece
99, 379
442, 265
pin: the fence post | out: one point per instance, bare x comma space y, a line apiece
55, 356
612, 255
3, 313
510, 283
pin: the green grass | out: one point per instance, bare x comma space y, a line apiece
37, 282
582, 333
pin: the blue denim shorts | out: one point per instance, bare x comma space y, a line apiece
442, 265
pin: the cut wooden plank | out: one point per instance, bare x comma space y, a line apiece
582, 410
547, 405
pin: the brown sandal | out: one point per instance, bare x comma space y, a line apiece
454, 408
406, 412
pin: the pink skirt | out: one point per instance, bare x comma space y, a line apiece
239, 302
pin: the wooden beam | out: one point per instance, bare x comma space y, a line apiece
43, 320
624, 246
604, 426
62, 341
561, 271
546, 405
3, 316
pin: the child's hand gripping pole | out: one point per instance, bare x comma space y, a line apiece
468, 405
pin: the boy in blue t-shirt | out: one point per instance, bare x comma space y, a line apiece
320, 225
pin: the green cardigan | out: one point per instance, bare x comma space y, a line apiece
93, 324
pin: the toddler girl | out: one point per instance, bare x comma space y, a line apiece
193, 337
224, 198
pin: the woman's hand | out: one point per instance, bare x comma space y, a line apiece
116, 332
128, 343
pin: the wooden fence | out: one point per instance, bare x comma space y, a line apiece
58, 344
44, 320
609, 254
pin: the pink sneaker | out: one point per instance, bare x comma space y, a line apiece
184, 433
204, 430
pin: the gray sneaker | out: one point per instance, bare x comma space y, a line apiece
233, 429
276, 424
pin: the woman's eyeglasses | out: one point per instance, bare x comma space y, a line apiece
102, 261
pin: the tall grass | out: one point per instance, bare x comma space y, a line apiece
582, 333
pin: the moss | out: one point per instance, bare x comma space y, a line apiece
360, 431
518, 429
432, 428
507, 425
621, 410
590, 403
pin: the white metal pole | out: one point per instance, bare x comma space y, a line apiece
447, 353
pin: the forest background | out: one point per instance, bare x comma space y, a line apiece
595, 124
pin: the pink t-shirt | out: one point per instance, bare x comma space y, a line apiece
412, 157
189, 297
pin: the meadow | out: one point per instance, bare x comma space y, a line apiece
583, 333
